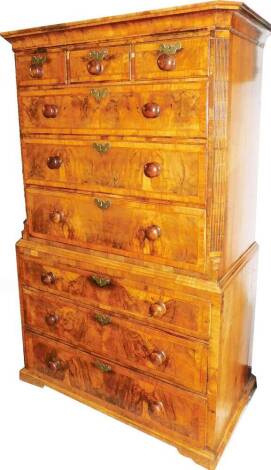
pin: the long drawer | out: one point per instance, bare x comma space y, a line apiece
145, 400
151, 169
171, 109
163, 233
108, 288
119, 339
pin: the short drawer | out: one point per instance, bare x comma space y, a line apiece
118, 289
174, 58
145, 400
41, 67
160, 170
100, 64
119, 339
158, 232
172, 109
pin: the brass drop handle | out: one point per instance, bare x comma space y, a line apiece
102, 318
158, 309
50, 111
151, 110
152, 169
55, 365
158, 358
48, 278
57, 217
54, 162
156, 408
153, 232
102, 366
51, 319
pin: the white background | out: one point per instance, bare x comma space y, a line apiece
42, 429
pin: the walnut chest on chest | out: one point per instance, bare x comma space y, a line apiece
137, 265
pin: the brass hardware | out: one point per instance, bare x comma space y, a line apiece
99, 93
170, 48
103, 319
103, 366
102, 204
100, 281
101, 148
98, 55
39, 58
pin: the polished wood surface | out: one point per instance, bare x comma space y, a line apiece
127, 294
170, 172
137, 265
120, 225
118, 109
138, 396
44, 67
100, 64
181, 55
179, 360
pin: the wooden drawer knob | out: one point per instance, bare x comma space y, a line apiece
51, 319
38, 59
158, 358
156, 408
152, 169
55, 365
153, 232
95, 67
50, 111
36, 71
54, 162
158, 309
151, 110
48, 278
57, 217
166, 62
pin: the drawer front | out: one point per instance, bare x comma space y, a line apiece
175, 58
117, 338
157, 405
100, 64
163, 171
173, 109
47, 67
160, 232
119, 290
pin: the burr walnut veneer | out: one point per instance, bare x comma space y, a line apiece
137, 265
